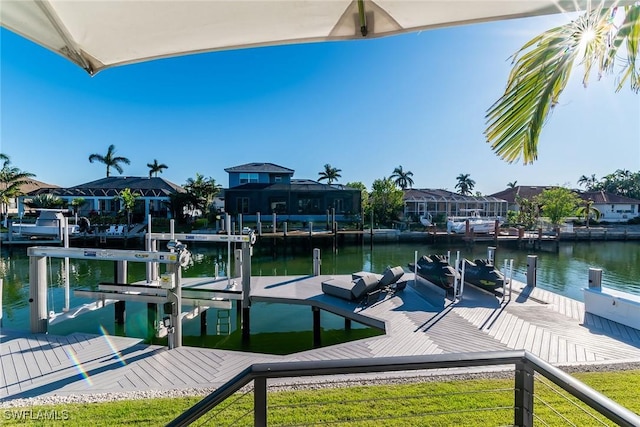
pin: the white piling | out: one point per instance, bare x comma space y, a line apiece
510, 277
228, 225
462, 281
66, 267
1, 303
317, 262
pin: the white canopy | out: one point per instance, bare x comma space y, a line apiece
97, 34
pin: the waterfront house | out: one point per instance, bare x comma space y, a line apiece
268, 189
442, 204
612, 207
100, 196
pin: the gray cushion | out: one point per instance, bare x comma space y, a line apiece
371, 283
391, 276
359, 274
338, 288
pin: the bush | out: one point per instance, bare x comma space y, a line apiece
634, 221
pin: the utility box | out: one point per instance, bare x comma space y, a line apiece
167, 281
595, 278
532, 270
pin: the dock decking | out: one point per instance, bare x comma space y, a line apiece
551, 326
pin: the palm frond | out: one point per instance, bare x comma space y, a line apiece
541, 70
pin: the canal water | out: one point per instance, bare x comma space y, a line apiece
564, 272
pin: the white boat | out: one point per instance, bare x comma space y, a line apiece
426, 220
477, 223
50, 223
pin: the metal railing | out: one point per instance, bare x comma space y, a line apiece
526, 367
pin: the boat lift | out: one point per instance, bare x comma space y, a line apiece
167, 288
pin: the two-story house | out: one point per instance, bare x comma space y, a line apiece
269, 189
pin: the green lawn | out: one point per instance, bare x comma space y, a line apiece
459, 403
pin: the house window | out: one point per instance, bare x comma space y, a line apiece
242, 205
278, 205
247, 178
277, 179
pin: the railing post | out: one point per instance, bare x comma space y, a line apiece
260, 402
523, 396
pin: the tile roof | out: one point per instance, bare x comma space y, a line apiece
524, 191
602, 197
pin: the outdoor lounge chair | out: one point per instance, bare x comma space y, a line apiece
362, 284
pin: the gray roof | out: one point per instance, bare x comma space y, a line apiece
260, 167
111, 186
444, 195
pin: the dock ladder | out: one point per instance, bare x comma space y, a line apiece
223, 322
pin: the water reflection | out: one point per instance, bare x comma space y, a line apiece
565, 272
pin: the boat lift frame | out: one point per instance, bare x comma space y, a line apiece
166, 289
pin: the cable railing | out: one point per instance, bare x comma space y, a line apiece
531, 396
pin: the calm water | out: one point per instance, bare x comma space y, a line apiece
565, 272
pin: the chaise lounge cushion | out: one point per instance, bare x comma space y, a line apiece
391, 276
339, 288
364, 285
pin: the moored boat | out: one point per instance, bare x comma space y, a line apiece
50, 223
477, 223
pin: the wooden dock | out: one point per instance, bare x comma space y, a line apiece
551, 326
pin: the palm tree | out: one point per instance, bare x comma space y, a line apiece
11, 179
45, 201
465, 184
587, 211
542, 68
154, 167
202, 191
589, 182
401, 178
512, 184
330, 174
110, 159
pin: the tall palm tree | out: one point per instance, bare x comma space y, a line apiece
589, 182
154, 168
330, 174
512, 184
542, 68
11, 179
110, 159
401, 178
465, 184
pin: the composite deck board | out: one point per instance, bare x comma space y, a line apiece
551, 326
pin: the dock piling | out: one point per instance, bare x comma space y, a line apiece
532, 267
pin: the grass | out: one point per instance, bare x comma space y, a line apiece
459, 403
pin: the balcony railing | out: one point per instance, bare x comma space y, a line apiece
528, 370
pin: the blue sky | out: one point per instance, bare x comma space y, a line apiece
417, 100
